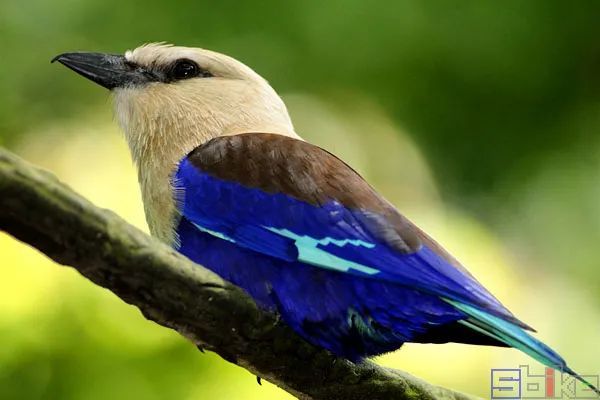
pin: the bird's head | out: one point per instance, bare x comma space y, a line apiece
171, 99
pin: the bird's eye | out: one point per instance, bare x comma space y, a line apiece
185, 69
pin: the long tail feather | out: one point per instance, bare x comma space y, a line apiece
516, 337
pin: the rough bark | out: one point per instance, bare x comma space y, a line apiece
174, 292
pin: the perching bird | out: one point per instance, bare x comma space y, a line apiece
227, 181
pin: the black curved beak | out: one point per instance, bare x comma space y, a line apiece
107, 70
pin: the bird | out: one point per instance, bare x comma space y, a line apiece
227, 182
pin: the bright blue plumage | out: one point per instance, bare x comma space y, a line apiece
234, 230
243, 248
252, 219
333, 272
318, 303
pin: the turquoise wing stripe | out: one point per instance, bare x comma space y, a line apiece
309, 253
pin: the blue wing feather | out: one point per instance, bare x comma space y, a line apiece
283, 227
246, 236
343, 278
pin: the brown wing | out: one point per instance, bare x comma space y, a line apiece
280, 164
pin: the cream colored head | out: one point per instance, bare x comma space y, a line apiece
169, 100
221, 97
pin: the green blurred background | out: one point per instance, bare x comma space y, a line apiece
478, 119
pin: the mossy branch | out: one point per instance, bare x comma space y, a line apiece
174, 292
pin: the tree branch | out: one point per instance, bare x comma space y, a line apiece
176, 293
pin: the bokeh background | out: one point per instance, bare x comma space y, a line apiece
480, 120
